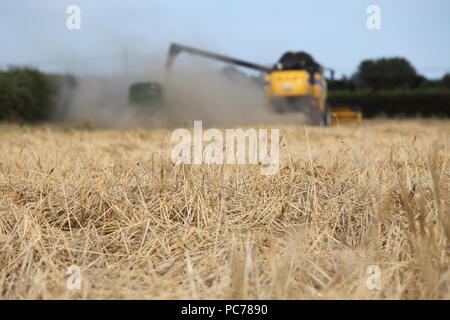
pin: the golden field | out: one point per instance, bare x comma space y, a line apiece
139, 227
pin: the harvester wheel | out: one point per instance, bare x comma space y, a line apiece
327, 117
316, 117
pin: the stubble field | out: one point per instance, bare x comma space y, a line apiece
346, 202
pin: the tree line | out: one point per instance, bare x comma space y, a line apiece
392, 87
29, 95
387, 74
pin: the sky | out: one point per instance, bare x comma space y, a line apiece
34, 32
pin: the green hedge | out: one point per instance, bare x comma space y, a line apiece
28, 95
403, 102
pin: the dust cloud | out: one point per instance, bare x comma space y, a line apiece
192, 90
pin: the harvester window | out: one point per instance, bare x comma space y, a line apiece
298, 61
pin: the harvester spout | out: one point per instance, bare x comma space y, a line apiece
175, 49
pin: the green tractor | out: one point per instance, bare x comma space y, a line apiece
146, 96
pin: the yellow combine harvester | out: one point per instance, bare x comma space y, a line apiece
294, 84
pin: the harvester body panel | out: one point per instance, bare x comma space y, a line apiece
297, 83
288, 83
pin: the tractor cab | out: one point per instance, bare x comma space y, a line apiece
145, 94
297, 61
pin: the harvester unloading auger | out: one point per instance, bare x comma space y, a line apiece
295, 83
